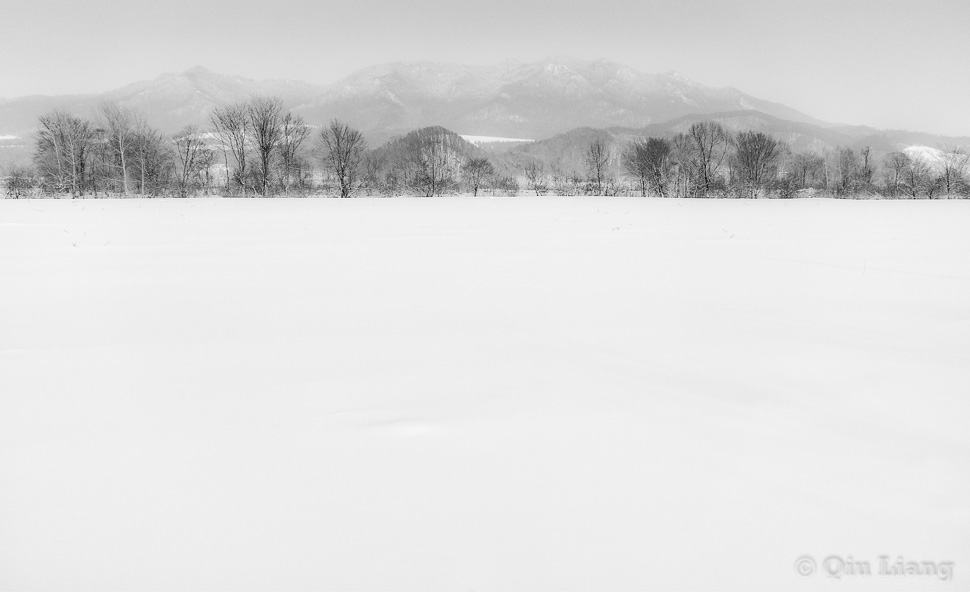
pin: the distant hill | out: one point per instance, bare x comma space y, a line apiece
173, 100
512, 99
566, 152
538, 100
169, 101
426, 161
522, 100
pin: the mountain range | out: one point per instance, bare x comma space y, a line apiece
538, 100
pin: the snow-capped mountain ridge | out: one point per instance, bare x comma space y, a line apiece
510, 99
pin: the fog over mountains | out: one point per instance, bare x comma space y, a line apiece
535, 100
521, 100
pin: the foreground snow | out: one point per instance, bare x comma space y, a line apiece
482, 394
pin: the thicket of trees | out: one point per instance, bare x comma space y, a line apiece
707, 161
428, 162
259, 148
262, 149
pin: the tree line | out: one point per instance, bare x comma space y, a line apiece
118, 153
707, 161
259, 148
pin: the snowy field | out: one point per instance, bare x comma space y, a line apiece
508, 394
493, 139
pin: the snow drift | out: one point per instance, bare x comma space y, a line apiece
537, 393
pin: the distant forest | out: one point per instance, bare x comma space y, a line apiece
259, 149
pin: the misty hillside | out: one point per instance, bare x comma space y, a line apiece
398, 147
566, 152
545, 100
173, 100
169, 101
533, 100
800, 136
426, 160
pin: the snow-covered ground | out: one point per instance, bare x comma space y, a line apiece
493, 140
456, 393
927, 154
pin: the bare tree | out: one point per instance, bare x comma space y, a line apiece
536, 175
562, 181
204, 162
636, 164
866, 171
649, 163
294, 132
597, 162
233, 126
685, 173
807, 169
509, 185
659, 164
896, 164
373, 172
919, 178
755, 162
266, 124
477, 171
101, 170
151, 162
436, 172
20, 182
952, 162
706, 148
846, 171
191, 157
121, 126
343, 151
62, 152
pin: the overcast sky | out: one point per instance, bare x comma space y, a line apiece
887, 63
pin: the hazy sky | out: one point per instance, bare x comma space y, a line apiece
886, 63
